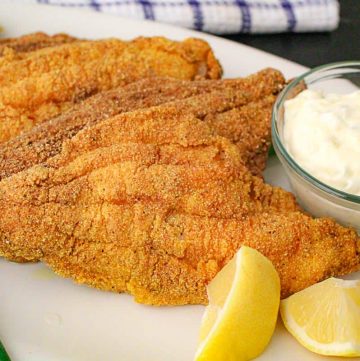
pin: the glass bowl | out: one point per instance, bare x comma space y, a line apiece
317, 198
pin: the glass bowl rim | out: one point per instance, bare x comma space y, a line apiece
279, 147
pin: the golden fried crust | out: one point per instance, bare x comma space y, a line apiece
249, 128
156, 156
248, 125
50, 81
304, 250
156, 122
155, 201
182, 253
32, 42
160, 224
156, 208
158, 55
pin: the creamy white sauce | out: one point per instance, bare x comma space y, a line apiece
322, 133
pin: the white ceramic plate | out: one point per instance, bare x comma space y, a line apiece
47, 318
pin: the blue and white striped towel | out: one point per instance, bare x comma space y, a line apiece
222, 16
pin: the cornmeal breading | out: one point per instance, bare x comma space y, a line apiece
126, 180
49, 81
154, 202
32, 42
246, 123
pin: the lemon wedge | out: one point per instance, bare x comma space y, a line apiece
244, 300
325, 318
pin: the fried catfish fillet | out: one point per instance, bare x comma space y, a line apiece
246, 123
49, 81
154, 203
32, 42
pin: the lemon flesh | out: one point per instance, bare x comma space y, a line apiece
325, 318
244, 301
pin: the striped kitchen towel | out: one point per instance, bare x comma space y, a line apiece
222, 16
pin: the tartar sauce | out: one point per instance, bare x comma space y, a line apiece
322, 134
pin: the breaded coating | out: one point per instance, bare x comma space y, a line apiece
249, 128
32, 42
199, 106
193, 171
247, 125
154, 202
50, 81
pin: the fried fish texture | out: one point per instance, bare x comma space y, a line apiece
47, 82
154, 202
32, 42
246, 123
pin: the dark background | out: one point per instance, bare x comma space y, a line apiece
313, 49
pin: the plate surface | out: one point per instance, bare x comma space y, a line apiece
47, 318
